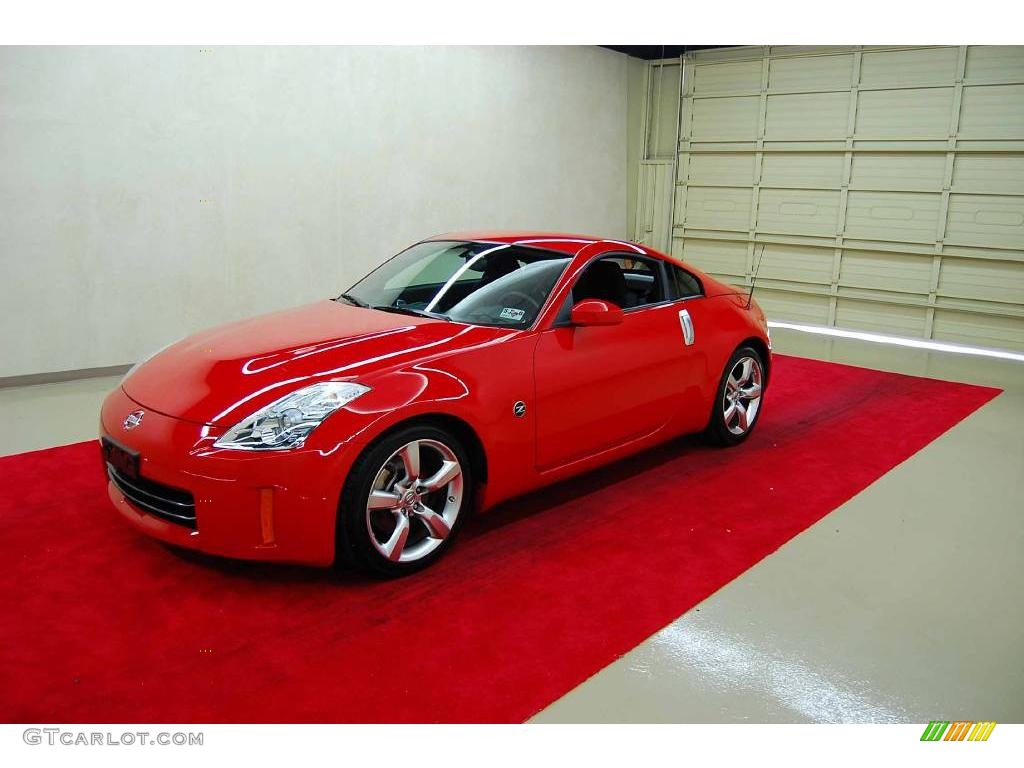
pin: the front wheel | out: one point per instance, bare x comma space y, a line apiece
403, 501
738, 401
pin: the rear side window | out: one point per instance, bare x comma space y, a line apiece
626, 281
684, 285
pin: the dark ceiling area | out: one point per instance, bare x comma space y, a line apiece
659, 51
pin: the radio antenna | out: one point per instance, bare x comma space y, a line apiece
753, 280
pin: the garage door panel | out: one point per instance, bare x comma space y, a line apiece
663, 103
654, 204
909, 217
807, 115
983, 280
721, 168
722, 208
921, 113
992, 112
880, 317
796, 263
802, 169
995, 62
925, 66
981, 330
811, 72
797, 307
717, 257
898, 172
803, 50
731, 281
798, 211
886, 271
727, 77
989, 173
727, 118
992, 220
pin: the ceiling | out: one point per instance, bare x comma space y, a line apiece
659, 51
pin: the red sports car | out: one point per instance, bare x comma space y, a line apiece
466, 370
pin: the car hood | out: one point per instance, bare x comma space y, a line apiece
222, 375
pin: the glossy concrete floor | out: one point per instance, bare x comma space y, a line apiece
903, 605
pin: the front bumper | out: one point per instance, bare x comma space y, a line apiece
278, 506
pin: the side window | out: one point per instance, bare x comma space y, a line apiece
623, 280
684, 285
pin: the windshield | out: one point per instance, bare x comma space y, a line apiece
478, 283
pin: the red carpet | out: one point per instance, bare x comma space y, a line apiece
103, 625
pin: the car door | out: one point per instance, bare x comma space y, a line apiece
598, 387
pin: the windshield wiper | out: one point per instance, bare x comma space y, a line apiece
353, 300
409, 311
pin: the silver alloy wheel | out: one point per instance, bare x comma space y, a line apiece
414, 500
742, 396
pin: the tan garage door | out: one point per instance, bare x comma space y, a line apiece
886, 185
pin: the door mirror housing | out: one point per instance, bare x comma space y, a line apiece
595, 312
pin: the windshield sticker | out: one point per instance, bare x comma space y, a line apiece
509, 313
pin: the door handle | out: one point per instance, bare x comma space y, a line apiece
687, 324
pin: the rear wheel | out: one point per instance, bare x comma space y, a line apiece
738, 401
404, 501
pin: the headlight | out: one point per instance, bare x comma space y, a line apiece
287, 422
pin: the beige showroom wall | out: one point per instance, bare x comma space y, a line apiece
146, 193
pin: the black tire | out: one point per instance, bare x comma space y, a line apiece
355, 545
721, 431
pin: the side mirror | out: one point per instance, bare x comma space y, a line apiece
595, 312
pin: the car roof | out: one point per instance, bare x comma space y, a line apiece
556, 241
572, 244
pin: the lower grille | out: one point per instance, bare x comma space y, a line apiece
171, 504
